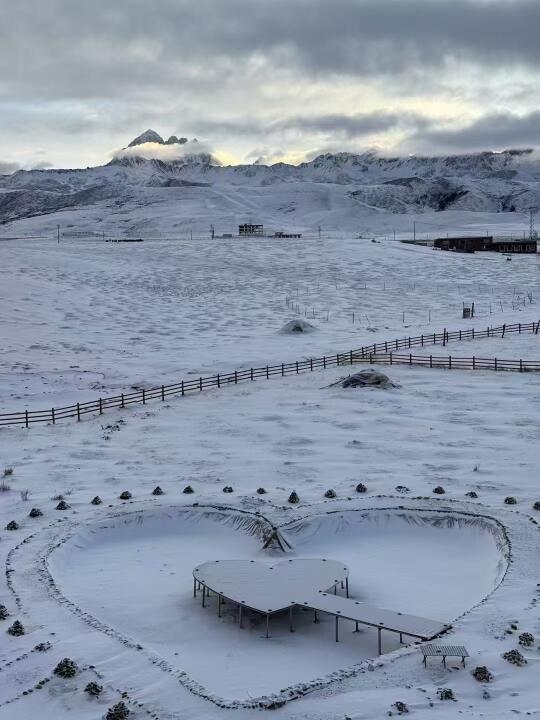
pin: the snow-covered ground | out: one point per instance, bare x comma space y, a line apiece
110, 585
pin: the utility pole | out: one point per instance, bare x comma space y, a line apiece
532, 231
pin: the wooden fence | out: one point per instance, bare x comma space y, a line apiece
386, 352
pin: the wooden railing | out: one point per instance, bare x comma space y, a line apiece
386, 352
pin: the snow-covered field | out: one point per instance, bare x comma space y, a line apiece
110, 585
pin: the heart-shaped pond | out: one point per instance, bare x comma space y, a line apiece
135, 574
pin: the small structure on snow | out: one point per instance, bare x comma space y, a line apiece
297, 326
367, 378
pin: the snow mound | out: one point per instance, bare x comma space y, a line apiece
368, 378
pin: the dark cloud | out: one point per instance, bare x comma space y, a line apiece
75, 48
6, 168
349, 126
491, 132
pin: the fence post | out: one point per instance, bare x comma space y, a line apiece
449, 362
236, 377
390, 357
473, 363
143, 397
100, 406
267, 375
324, 361
123, 404
337, 359
182, 388
521, 366
410, 358
218, 381
460, 334
503, 329
163, 393
311, 364
537, 327
200, 384
495, 361
78, 412
52, 416
351, 356
422, 343
297, 367
26, 418
431, 361
370, 359
251, 374
519, 328
282, 369
444, 337
473, 333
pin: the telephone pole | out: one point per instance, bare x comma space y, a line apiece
532, 231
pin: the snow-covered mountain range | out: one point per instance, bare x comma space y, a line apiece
343, 183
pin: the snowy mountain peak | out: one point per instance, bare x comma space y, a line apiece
149, 136
173, 140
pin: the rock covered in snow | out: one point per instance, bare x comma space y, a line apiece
367, 378
297, 326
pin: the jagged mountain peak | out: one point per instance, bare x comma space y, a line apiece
148, 136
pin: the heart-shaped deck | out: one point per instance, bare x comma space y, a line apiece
270, 588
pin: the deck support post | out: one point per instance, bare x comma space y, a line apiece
267, 626
240, 616
194, 587
356, 629
379, 642
315, 617
219, 605
337, 628
347, 587
291, 627
203, 595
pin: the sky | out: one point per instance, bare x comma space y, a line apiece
266, 80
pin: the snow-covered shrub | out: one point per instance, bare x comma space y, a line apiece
297, 326
261, 491
367, 378
157, 491
16, 629
293, 497
536, 505
510, 500
42, 647
93, 689
227, 489
34, 513
62, 505
402, 488
361, 488
526, 639
445, 694
330, 494
96, 500
12, 525
117, 712
8, 471
515, 658
4, 487
439, 490
188, 490
3, 612
400, 707
482, 674
66, 668
126, 495
472, 494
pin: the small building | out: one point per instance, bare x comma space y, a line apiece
287, 235
249, 229
464, 243
527, 245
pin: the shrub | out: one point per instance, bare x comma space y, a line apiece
117, 712
12, 525
510, 500
400, 707
3, 612
439, 490
526, 639
515, 658
472, 494
188, 490
34, 513
227, 489
445, 694
402, 488
361, 488
42, 647
96, 500
16, 629
25, 494
157, 491
4, 487
293, 498
261, 491
62, 505
66, 668
8, 471
93, 689
482, 674
126, 495
536, 505
330, 494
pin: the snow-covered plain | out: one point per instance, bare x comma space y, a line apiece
110, 585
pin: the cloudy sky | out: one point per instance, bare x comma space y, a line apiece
277, 79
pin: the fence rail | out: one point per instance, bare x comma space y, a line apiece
386, 352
